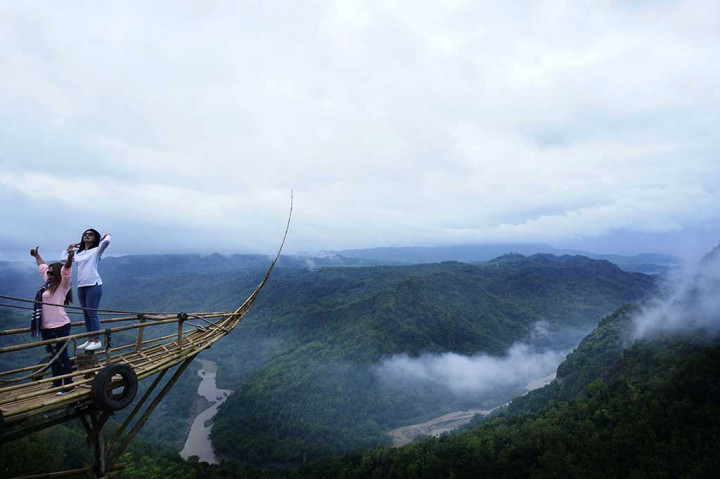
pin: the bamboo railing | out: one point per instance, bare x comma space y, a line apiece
27, 403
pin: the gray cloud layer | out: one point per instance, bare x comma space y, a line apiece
183, 125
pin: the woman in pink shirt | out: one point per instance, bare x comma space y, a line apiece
54, 321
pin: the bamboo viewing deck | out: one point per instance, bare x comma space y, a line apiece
106, 380
30, 404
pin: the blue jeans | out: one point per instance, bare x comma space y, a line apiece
62, 364
89, 297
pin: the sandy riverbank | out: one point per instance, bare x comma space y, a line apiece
450, 421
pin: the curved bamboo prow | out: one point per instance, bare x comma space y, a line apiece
29, 406
253, 296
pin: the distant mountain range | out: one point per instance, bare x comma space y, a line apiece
649, 263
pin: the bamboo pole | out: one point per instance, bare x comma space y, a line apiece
68, 473
138, 343
198, 340
9, 332
150, 409
43, 382
158, 320
135, 410
115, 349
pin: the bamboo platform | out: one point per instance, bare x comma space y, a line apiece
32, 404
29, 403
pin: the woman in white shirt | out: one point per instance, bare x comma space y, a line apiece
90, 250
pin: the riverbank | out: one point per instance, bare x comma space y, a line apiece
207, 403
453, 420
436, 426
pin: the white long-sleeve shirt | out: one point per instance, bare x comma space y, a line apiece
87, 261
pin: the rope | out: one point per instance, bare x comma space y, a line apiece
30, 309
67, 306
16, 306
39, 371
208, 322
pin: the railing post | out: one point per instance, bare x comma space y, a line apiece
182, 317
141, 330
108, 342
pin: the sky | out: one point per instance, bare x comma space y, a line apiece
183, 126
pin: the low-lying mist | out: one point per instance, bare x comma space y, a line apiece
483, 374
478, 374
689, 301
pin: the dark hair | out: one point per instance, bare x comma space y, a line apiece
96, 241
56, 267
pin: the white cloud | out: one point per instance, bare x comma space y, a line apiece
395, 123
475, 374
689, 301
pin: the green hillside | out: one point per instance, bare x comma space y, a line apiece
304, 362
652, 410
305, 357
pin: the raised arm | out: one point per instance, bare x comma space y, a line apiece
104, 242
35, 252
71, 247
68, 262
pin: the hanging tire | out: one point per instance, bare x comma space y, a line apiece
103, 392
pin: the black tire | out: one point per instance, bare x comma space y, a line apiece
103, 396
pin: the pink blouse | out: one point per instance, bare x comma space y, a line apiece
55, 316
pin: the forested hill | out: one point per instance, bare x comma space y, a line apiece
651, 410
304, 363
443, 307
607, 353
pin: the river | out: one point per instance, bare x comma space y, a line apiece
198, 441
447, 422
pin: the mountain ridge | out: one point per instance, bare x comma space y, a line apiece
331, 326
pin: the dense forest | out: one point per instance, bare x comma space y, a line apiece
306, 356
310, 385
652, 409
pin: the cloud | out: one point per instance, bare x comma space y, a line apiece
477, 374
689, 301
395, 123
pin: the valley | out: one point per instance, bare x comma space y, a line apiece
198, 441
343, 361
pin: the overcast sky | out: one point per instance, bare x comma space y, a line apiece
182, 126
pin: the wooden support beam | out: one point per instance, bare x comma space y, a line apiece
138, 343
135, 410
178, 372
